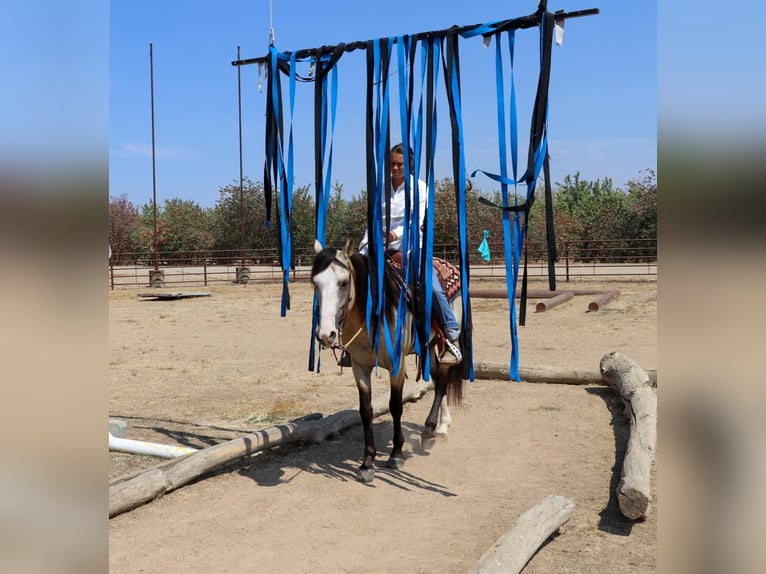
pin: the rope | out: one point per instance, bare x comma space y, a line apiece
272, 37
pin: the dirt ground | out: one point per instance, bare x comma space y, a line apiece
200, 371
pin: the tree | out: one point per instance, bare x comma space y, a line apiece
235, 213
593, 211
185, 229
303, 221
124, 228
642, 194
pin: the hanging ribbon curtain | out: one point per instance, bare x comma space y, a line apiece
514, 230
433, 47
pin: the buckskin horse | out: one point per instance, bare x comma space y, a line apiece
340, 279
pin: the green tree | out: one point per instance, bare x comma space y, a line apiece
185, 229
146, 242
593, 211
642, 194
341, 222
303, 221
237, 216
124, 228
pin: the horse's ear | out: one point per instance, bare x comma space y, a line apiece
349, 249
317, 246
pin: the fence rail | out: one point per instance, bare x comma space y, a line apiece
624, 257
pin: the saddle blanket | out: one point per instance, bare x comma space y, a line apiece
448, 274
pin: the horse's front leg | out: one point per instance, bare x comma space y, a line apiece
396, 459
364, 385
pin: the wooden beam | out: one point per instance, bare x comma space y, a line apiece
531, 293
562, 297
542, 374
632, 382
514, 549
599, 302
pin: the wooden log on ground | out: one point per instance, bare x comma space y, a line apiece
503, 294
554, 301
502, 371
513, 550
632, 382
127, 493
531, 293
599, 302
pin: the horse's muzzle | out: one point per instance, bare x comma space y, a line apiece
328, 340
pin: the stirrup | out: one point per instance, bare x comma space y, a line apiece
451, 355
345, 359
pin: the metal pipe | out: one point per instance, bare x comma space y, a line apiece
154, 175
528, 21
148, 448
241, 193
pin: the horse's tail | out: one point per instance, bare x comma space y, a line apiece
455, 383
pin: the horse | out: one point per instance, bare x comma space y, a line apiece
340, 279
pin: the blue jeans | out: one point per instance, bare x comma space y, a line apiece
444, 311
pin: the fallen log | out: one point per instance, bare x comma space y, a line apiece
513, 550
599, 302
531, 293
502, 371
632, 382
554, 301
127, 493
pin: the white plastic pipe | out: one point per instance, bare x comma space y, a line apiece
147, 448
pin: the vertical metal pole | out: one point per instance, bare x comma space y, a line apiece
154, 174
241, 193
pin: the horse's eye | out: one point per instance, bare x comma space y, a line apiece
343, 284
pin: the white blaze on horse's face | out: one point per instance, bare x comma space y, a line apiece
332, 287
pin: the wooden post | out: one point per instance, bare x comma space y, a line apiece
513, 550
631, 381
597, 303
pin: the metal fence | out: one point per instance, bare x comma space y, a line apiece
605, 258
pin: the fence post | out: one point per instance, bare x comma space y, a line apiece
566, 255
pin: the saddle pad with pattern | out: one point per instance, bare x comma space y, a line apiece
449, 275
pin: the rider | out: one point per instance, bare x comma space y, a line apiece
452, 354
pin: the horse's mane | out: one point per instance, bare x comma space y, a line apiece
323, 259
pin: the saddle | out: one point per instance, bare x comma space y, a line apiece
449, 277
448, 274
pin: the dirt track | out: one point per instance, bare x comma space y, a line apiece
200, 371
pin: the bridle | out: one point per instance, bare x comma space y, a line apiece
346, 305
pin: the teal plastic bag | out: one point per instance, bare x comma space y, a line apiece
484, 247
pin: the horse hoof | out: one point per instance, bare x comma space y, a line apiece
442, 436
427, 442
365, 475
395, 462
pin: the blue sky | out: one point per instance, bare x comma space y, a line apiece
602, 120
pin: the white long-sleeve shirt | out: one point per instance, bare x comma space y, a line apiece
397, 214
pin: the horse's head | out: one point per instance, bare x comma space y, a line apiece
333, 278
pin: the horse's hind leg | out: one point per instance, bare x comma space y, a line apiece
445, 420
428, 438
